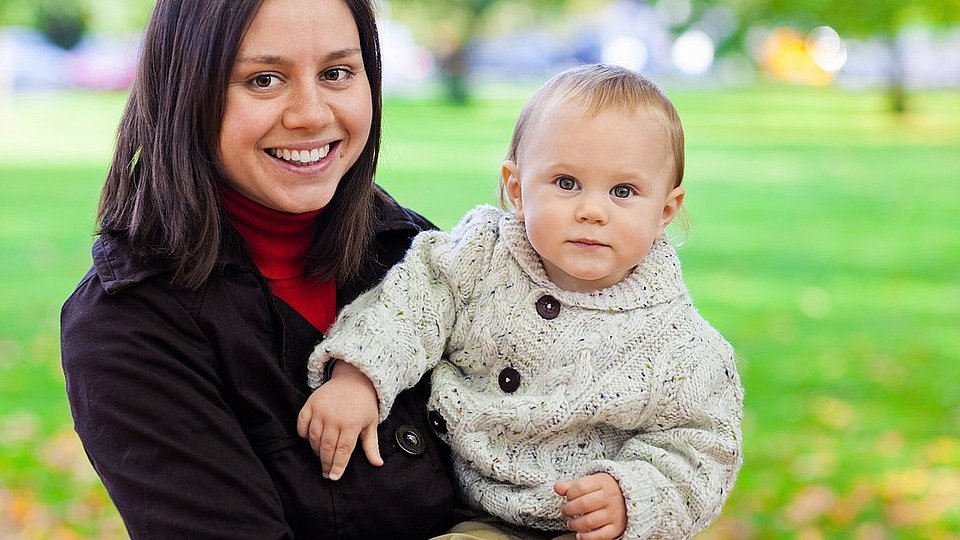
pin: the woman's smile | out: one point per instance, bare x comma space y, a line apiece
304, 160
303, 157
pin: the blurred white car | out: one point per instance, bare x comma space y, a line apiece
103, 62
28, 60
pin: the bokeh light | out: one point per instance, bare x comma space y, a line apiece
692, 53
826, 48
626, 51
783, 54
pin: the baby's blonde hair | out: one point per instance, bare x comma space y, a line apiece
599, 87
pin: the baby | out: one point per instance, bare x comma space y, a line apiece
577, 386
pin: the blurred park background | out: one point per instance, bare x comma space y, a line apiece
823, 177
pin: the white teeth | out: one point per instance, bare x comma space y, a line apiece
300, 156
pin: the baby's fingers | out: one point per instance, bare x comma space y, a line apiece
335, 449
303, 422
607, 532
371, 445
312, 431
583, 505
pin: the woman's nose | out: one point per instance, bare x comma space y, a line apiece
308, 109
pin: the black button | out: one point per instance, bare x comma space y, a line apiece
410, 440
548, 307
437, 422
509, 380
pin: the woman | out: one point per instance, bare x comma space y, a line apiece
238, 215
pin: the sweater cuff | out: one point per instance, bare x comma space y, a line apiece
319, 368
328, 370
351, 351
650, 512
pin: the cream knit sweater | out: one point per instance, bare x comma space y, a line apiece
629, 380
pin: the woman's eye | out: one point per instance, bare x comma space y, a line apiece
263, 81
335, 75
621, 192
566, 183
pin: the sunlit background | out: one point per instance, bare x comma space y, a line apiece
823, 178
93, 45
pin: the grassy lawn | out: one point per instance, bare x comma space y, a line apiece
825, 245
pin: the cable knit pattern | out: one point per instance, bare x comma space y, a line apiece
628, 380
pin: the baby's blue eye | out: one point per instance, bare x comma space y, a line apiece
566, 183
621, 192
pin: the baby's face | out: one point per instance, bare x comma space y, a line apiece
594, 191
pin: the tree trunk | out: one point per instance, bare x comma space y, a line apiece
896, 83
454, 66
453, 69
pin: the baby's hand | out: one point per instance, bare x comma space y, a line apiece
595, 508
335, 414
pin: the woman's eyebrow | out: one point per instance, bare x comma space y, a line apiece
263, 59
276, 60
344, 53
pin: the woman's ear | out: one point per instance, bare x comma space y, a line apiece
671, 206
510, 176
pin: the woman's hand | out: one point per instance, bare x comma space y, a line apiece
595, 508
339, 411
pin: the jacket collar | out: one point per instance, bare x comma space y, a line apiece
119, 268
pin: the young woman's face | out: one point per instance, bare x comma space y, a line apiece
298, 108
594, 192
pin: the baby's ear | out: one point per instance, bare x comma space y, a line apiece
510, 177
671, 206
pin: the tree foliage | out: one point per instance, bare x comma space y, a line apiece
850, 17
64, 21
449, 26
882, 19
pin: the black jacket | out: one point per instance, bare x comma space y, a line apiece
186, 403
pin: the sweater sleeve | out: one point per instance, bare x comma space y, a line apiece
676, 473
398, 331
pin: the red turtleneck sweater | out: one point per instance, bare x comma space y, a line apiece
278, 243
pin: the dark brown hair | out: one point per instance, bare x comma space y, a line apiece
161, 194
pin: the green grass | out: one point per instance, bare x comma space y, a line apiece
825, 245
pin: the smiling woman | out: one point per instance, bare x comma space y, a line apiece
298, 90
238, 215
